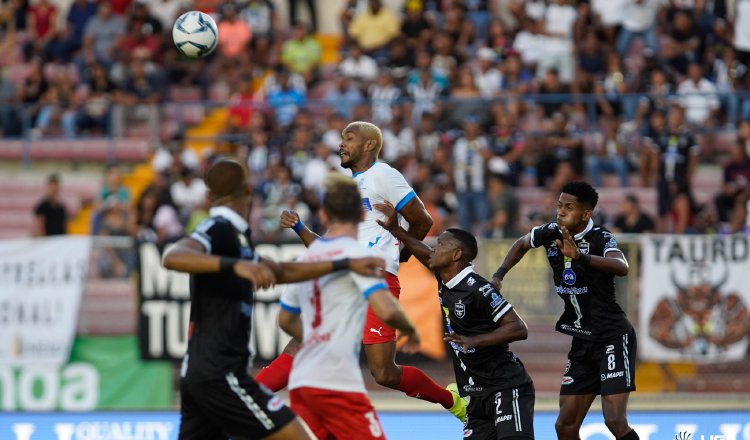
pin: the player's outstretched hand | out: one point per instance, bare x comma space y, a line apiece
369, 267
260, 275
390, 222
466, 342
411, 343
289, 218
567, 245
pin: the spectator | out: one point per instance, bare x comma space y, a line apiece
286, 100
608, 156
488, 78
425, 94
41, 19
116, 221
736, 182
188, 193
631, 220
102, 33
609, 15
516, 78
374, 28
398, 142
32, 91
427, 139
138, 101
234, 37
332, 136
560, 18
94, 108
503, 202
302, 53
562, 144
165, 11
416, 28
50, 215
359, 67
677, 159
551, 85
465, 99
508, 145
263, 19
318, 167
343, 96
469, 159
383, 96
683, 45
727, 72
698, 97
67, 42
741, 20
638, 20
169, 158
293, 15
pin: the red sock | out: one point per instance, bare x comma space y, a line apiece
414, 383
276, 375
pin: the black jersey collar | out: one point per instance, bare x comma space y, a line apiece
459, 277
235, 219
585, 231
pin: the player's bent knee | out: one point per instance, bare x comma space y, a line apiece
386, 376
618, 426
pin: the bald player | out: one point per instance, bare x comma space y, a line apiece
378, 182
219, 399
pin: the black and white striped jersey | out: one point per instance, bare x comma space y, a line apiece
471, 306
221, 303
591, 310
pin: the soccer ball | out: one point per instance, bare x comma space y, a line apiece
195, 34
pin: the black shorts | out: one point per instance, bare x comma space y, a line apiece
601, 367
236, 407
504, 414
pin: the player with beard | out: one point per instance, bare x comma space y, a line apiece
584, 258
480, 326
218, 398
361, 143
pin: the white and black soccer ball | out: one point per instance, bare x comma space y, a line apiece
195, 34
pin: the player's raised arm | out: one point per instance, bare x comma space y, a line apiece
512, 328
419, 221
290, 219
415, 246
292, 272
514, 255
188, 255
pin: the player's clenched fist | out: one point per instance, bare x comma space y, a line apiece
289, 218
260, 275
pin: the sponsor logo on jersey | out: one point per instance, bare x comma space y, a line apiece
468, 432
612, 243
496, 300
275, 404
373, 243
553, 251
567, 380
569, 276
459, 309
552, 226
504, 418
612, 375
583, 247
366, 205
562, 290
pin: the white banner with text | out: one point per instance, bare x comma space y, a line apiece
41, 285
695, 290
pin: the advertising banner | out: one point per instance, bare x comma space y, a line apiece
41, 285
704, 425
104, 373
695, 290
164, 308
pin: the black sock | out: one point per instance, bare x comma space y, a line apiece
632, 435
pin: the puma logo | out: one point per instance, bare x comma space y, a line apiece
378, 330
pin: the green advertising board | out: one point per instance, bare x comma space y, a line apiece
104, 373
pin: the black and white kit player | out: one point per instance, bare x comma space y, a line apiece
584, 258
480, 324
219, 399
